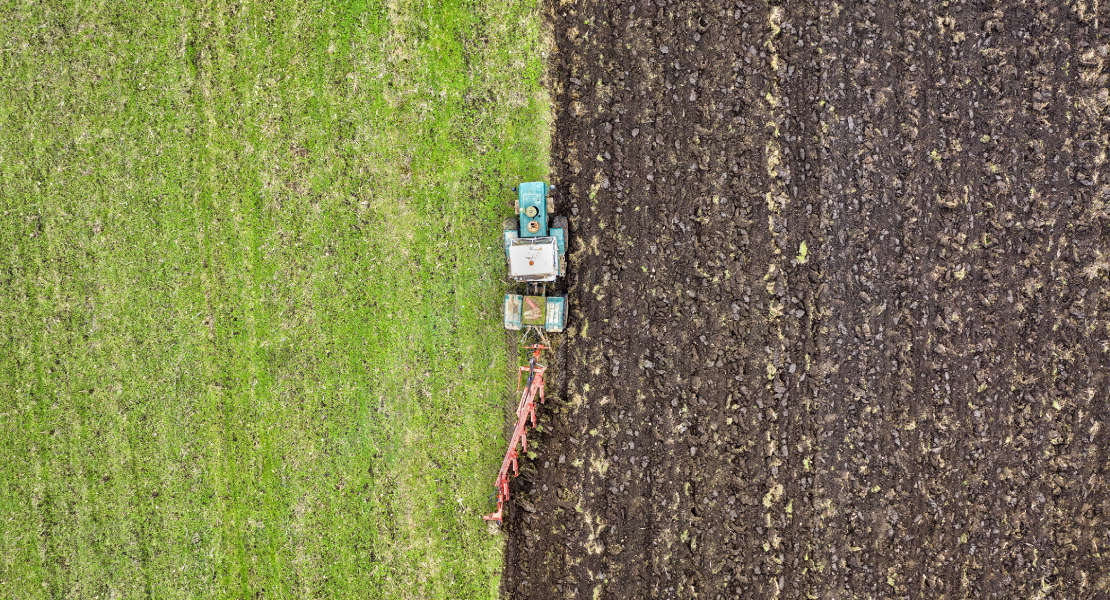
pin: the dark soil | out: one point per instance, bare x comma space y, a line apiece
916, 404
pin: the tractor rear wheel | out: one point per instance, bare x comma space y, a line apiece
560, 223
509, 224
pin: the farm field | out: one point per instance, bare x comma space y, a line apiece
840, 304
249, 338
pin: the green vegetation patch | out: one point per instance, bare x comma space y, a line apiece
249, 328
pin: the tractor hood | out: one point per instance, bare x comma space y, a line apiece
534, 259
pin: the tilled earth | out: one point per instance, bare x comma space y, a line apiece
841, 310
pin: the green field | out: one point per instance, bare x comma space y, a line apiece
250, 292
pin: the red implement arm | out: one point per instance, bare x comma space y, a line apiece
524, 411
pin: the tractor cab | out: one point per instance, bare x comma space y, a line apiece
536, 254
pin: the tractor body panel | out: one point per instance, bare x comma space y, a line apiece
514, 312
532, 202
560, 236
555, 320
507, 238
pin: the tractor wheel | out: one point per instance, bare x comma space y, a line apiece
560, 223
510, 224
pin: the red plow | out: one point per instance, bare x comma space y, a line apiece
524, 411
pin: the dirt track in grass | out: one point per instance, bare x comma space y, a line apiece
840, 299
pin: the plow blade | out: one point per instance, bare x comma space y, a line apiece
525, 417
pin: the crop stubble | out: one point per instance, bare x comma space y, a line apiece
839, 290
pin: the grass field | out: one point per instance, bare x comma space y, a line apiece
250, 335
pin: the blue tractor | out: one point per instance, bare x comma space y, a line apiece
536, 255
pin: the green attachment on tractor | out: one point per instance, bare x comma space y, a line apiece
542, 312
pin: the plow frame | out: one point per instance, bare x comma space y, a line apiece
525, 411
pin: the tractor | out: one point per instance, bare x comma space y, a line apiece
536, 255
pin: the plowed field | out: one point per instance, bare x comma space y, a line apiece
840, 304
